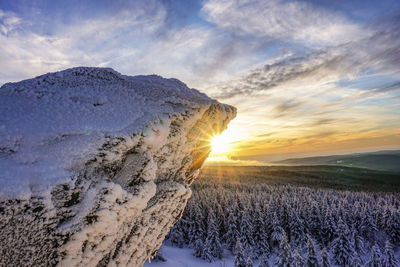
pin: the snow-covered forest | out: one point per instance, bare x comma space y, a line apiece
283, 225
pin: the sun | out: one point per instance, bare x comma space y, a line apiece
223, 146
219, 145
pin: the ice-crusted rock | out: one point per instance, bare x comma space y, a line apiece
96, 166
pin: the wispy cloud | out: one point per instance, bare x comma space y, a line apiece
8, 22
375, 47
380, 52
288, 105
93, 41
286, 20
150, 38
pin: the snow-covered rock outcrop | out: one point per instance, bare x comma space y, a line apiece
96, 166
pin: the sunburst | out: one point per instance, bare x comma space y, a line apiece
219, 145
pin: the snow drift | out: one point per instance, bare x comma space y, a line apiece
96, 166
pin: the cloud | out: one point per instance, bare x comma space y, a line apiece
380, 53
316, 66
312, 137
323, 121
266, 134
128, 40
90, 41
287, 105
285, 20
149, 37
8, 22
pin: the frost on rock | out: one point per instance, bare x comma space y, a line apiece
96, 166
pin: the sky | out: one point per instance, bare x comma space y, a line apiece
308, 77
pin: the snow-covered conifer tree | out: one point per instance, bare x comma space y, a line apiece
240, 260
264, 261
343, 245
358, 243
232, 233
198, 230
328, 231
298, 260
369, 226
212, 243
220, 220
285, 258
356, 261
389, 257
249, 262
393, 227
376, 259
297, 230
246, 231
207, 253
312, 259
176, 235
385, 219
198, 248
277, 231
261, 245
315, 219
325, 262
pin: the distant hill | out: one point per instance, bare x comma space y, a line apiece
388, 160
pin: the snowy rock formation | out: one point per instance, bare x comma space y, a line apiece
96, 166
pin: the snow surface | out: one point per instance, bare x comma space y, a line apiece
96, 166
183, 257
